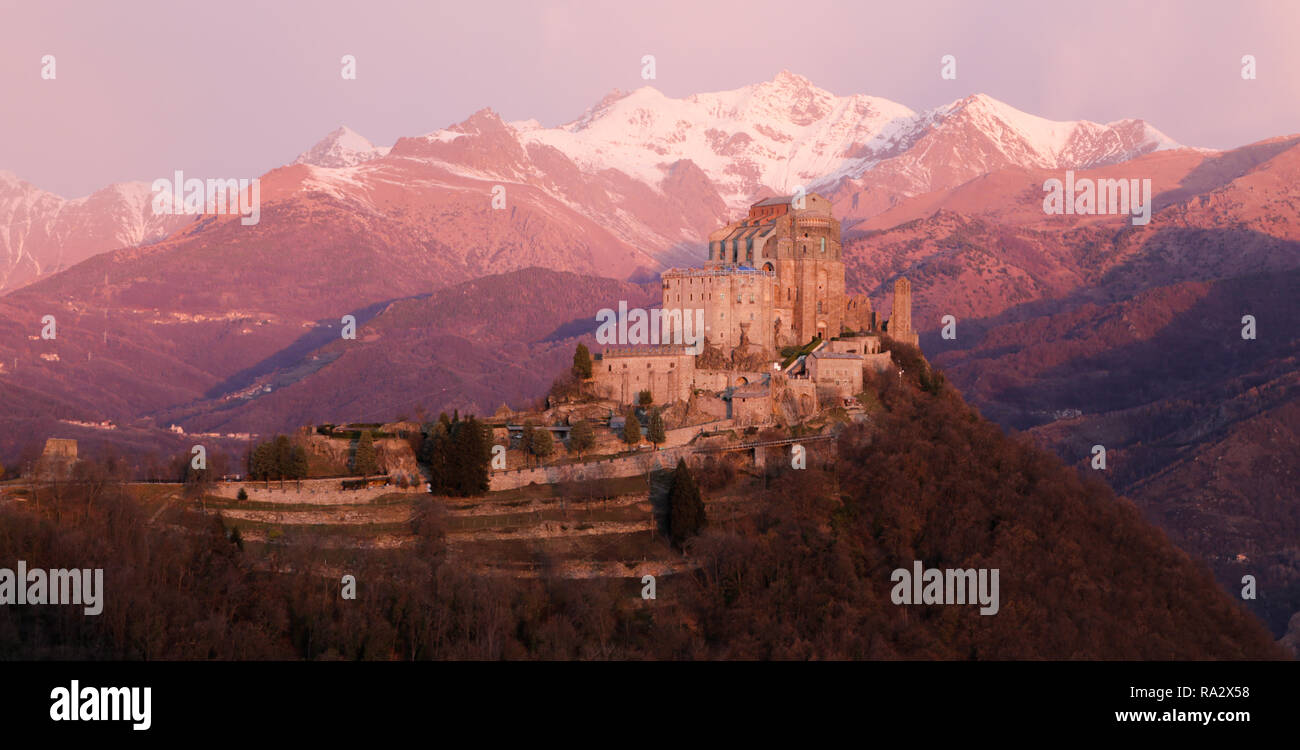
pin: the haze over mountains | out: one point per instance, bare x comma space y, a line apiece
1082, 329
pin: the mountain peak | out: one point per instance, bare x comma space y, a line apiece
787, 78
484, 120
343, 147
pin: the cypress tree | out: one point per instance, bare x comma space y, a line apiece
582, 362
655, 432
364, 460
472, 457
685, 506
632, 429
435, 454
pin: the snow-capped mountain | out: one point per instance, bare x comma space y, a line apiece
653, 172
344, 147
786, 132
41, 232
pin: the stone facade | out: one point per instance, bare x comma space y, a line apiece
58, 458
800, 246
668, 372
865, 344
837, 374
858, 315
751, 405
773, 279
737, 304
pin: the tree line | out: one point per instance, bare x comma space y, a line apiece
277, 458
457, 454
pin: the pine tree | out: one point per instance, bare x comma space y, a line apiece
364, 461
472, 457
434, 453
655, 432
685, 506
582, 362
582, 438
632, 429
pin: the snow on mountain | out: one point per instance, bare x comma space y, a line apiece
344, 147
772, 135
655, 171
41, 232
786, 132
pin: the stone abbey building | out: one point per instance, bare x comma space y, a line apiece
773, 279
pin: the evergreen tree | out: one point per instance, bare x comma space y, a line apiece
685, 506
645, 398
582, 362
283, 461
435, 453
582, 438
364, 460
298, 464
262, 463
655, 432
471, 457
632, 429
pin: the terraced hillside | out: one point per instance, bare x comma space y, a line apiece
603, 528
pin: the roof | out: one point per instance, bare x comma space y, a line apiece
836, 355
777, 200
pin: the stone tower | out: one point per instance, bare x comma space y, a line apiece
900, 321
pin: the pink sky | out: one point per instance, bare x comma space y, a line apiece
236, 88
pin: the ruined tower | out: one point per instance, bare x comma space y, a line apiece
900, 321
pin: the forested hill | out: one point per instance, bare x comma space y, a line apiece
805, 574
1081, 573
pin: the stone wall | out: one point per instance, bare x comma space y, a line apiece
313, 491
666, 371
611, 468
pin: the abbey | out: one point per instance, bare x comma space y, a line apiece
773, 283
